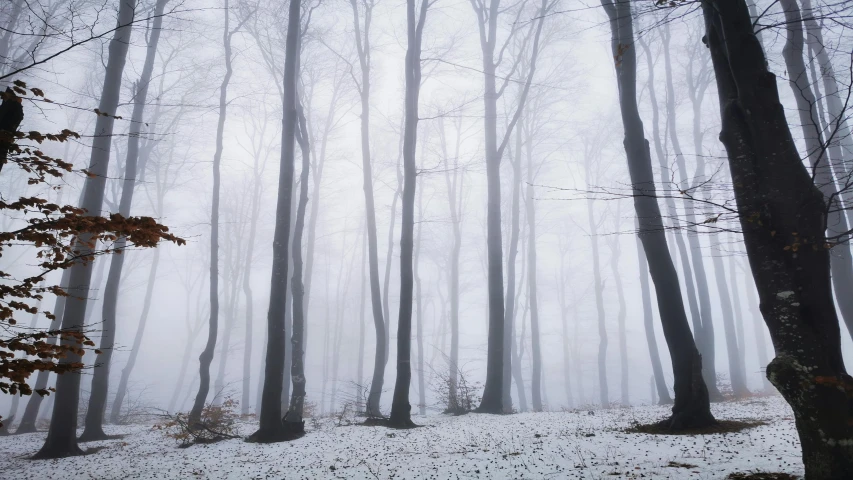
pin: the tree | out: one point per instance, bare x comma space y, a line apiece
592, 159
94, 424
401, 415
362, 43
454, 181
271, 427
206, 357
782, 216
699, 327
487, 23
648, 326
692, 406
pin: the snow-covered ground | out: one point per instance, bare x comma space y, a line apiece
578, 444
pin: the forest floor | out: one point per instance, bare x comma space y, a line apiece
572, 444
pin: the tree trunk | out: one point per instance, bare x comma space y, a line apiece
454, 197
783, 219
271, 428
389, 255
293, 421
672, 213
115, 410
401, 410
738, 312
62, 436
615, 252
536, 349
363, 47
704, 336
692, 407
663, 397
598, 285
419, 304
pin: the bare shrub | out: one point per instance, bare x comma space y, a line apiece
466, 395
217, 422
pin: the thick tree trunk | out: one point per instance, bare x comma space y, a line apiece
692, 407
62, 437
271, 428
783, 219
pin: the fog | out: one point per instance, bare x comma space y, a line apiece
563, 165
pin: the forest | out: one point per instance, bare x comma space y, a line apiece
562, 239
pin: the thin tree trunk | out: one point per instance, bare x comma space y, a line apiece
401, 410
598, 285
115, 410
672, 213
31, 411
206, 357
704, 336
293, 421
536, 349
271, 428
419, 303
659, 379
615, 252
62, 436
692, 407
362, 41
512, 254
454, 197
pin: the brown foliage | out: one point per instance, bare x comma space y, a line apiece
58, 237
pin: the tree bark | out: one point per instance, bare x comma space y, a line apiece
672, 212
659, 381
783, 218
271, 428
692, 407
401, 416
362, 41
